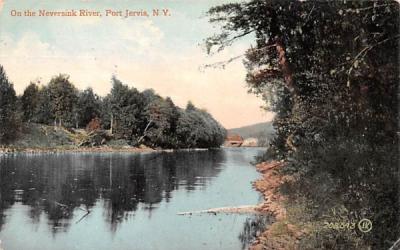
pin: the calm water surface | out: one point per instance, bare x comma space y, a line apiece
133, 200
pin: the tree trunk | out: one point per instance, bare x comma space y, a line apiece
145, 131
112, 123
285, 67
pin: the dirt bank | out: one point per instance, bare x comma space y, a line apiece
281, 234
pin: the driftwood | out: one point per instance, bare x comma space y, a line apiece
95, 138
60, 204
81, 208
83, 216
250, 209
145, 131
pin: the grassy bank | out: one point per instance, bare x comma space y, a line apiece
39, 138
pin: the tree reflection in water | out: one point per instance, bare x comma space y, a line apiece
253, 227
57, 184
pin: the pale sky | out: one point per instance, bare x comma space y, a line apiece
163, 53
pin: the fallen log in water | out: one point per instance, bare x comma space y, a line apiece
250, 209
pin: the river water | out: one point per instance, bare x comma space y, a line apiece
133, 200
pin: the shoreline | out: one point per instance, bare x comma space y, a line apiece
6, 150
102, 149
281, 234
65, 149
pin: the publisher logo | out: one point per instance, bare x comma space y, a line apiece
365, 225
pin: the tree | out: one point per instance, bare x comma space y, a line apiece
88, 107
8, 99
197, 128
29, 101
190, 106
330, 70
63, 96
106, 113
161, 116
173, 115
126, 107
43, 111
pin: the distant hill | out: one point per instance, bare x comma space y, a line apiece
262, 131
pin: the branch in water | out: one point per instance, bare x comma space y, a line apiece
250, 209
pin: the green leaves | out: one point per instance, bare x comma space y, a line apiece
30, 100
155, 121
197, 128
88, 107
342, 56
63, 95
8, 108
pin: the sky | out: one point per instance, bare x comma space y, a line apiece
165, 53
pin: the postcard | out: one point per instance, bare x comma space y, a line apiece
212, 124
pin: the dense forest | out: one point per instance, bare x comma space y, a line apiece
128, 114
330, 71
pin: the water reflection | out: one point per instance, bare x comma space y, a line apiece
253, 227
59, 184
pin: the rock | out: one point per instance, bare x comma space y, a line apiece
142, 146
257, 247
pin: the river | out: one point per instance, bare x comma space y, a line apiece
133, 200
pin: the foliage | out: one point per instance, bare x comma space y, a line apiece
88, 107
43, 111
136, 117
94, 124
330, 72
8, 108
126, 107
197, 128
29, 101
161, 117
63, 96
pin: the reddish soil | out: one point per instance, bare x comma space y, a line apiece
280, 234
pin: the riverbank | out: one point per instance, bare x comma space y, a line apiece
282, 234
101, 149
39, 138
66, 149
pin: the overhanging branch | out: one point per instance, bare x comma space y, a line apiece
363, 53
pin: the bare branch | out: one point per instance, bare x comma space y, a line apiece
222, 43
239, 36
363, 53
222, 64
368, 8
145, 131
396, 245
309, 14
